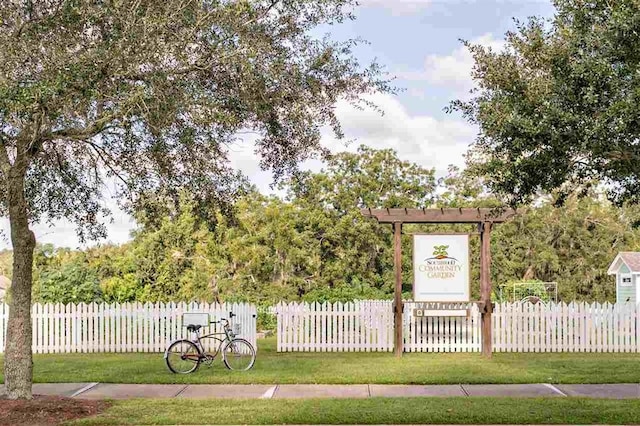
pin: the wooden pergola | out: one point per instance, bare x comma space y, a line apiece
483, 217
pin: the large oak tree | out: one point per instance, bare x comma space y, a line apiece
558, 108
151, 93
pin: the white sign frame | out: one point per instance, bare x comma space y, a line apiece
195, 318
423, 247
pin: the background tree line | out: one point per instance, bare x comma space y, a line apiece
312, 243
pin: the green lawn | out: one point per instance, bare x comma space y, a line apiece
371, 411
273, 367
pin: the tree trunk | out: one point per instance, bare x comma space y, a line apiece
18, 361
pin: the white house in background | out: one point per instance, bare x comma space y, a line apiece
5, 283
626, 268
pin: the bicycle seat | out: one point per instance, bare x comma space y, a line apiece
192, 327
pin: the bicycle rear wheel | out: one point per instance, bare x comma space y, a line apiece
238, 354
183, 357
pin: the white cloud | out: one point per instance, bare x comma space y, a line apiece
422, 139
453, 70
242, 157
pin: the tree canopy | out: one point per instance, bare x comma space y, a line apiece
557, 108
150, 95
153, 93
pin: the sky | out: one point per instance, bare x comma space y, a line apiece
418, 42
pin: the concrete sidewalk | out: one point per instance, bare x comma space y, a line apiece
125, 391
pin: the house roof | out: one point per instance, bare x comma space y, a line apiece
629, 258
5, 282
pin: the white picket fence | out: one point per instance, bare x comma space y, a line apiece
126, 327
573, 327
368, 326
359, 326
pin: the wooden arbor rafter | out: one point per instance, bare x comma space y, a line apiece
483, 217
459, 215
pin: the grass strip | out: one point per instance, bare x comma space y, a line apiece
457, 410
347, 368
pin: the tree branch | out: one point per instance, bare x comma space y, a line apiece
5, 163
83, 134
107, 161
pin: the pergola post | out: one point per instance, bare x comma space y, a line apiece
485, 287
397, 267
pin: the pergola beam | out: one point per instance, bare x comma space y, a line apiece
459, 215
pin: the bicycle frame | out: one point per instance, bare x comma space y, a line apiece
228, 336
231, 349
202, 354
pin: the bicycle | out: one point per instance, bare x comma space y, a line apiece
184, 356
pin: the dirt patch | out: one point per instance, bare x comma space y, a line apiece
47, 410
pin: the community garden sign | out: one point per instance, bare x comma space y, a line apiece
440, 274
441, 268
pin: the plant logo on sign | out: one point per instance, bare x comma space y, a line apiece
441, 265
440, 252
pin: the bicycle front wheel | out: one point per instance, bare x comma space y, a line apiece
183, 357
238, 354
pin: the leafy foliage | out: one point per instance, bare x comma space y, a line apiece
314, 247
65, 276
151, 93
6, 258
557, 108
